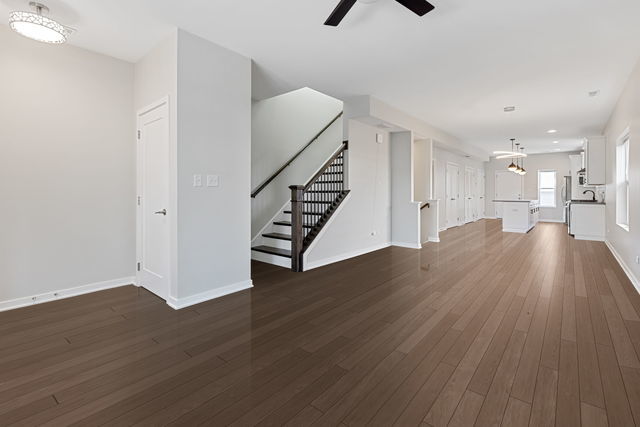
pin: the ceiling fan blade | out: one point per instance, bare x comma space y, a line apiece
339, 12
419, 7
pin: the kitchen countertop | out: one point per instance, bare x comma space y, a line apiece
508, 201
587, 202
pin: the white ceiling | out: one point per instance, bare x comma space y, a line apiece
456, 68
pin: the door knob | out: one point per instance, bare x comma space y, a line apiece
162, 212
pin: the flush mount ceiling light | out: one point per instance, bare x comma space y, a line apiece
556, 142
509, 109
509, 154
552, 131
38, 27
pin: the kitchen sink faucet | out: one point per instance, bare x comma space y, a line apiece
592, 192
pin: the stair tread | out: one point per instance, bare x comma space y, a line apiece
308, 213
279, 236
288, 224
273, 251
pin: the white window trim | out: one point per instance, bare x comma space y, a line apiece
555, 189
624, 137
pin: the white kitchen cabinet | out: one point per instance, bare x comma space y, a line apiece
588, 221
595, 160
519, 216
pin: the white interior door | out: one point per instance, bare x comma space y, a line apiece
453, 194
508, 187
153, 203
469, 215
481, 191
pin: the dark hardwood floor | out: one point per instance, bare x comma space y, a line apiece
486, 327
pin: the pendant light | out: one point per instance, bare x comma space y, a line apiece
36, 26
523, 171
517, 169
512, 167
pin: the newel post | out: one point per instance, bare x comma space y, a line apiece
297, 235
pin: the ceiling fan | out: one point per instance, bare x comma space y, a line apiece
419, 7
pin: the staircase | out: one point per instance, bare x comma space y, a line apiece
308, 212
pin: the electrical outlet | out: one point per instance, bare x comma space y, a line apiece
197, 180
213, 181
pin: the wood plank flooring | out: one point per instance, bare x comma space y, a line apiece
484, 328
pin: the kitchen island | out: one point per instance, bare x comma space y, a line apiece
519, 216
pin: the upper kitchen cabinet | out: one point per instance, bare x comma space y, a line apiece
594, 160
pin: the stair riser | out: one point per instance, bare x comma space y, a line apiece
280, 229
276, 243
271, 259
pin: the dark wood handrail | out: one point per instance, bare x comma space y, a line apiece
295, 156
344, 146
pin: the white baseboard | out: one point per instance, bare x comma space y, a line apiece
178, 303
352, 254
434, 239
407, 245
632, 278
65, 293
590, 238
515, 230
560, 221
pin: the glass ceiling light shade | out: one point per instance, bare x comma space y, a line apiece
38, 27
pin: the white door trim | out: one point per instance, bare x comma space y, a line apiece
141, 112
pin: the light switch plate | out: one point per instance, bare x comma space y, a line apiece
379, 138
197, 180
213, 180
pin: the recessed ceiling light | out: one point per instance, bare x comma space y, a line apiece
556, 142
38, 27
509, 109
594, 93
552, 131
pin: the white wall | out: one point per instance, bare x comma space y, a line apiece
422, 162
364, 222
625, 115
280, 127
214, 137
534, 162
441, 158
67, 183
405, 212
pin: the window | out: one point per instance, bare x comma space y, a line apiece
622, 181
547, 188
